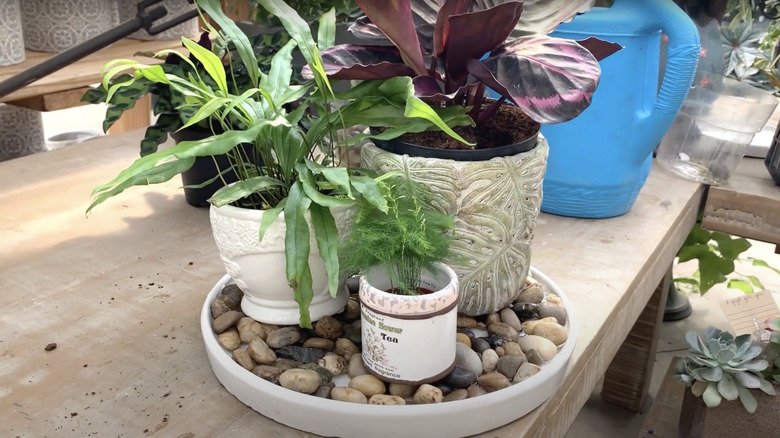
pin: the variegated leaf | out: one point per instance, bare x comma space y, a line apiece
540, 17
563, 75
347, 61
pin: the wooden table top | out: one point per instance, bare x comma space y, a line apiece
81, 73
748, 205
120, 292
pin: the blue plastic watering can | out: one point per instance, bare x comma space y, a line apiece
599, 161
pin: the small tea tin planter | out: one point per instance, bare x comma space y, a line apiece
409, 339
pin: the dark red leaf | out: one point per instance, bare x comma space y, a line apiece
600, 48
476, 33
358, 62
442, 29
394, 18
426, 86
364, 29
550, 79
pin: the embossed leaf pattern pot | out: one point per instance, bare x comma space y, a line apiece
16, 142
258, 267
409, 339
495, 204
11, 36
57, 25
128, 10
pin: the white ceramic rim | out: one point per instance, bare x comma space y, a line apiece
452, 419
405, 306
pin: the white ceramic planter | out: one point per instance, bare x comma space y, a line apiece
11, 37
57, 25
409, 339
16, 142
128, 10
333, 418
258, 268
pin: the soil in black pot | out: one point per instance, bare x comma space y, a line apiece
509, 125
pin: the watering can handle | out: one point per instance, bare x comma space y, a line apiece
682, 59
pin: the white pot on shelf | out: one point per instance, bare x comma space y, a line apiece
57, 25
11, 36
258, 267
398, 330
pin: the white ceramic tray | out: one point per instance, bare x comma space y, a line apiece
333, 418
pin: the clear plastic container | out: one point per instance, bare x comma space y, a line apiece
711, 132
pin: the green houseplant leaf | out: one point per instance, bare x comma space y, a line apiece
296, 248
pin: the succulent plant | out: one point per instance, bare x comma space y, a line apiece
723, 367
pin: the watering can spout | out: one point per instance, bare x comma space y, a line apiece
600, 160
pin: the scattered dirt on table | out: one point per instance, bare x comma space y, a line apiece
50, 346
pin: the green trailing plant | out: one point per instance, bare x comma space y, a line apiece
168, 99
717, 255
721, 366
405, 240
292, 129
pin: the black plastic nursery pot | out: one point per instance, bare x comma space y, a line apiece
400, 147
204, 169
772, 160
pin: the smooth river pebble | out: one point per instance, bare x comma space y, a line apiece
304, 381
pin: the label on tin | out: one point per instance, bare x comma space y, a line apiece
408, 349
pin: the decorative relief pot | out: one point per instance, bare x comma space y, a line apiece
57, 25
11, 36
258, 267
129, 8
495, 204
15, 142
398, 330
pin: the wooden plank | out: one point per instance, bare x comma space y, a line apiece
627, 379
138, 117
664, 415
54, 101
81, 73
748, 205
120, 291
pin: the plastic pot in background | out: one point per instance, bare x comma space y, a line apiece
11, 36
772, 160
57, 25
711, 132
204, 169
21, 132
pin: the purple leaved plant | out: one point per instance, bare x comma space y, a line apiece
454, 49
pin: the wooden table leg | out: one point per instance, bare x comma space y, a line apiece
627, 379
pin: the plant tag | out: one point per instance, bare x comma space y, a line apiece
745, 311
